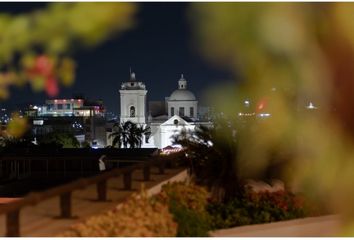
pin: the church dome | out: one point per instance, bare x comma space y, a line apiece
182, 95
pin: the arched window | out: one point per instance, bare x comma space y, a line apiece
132, 111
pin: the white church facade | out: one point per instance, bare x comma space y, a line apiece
165, 118
133, 101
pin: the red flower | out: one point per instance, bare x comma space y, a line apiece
51, 86
43, 66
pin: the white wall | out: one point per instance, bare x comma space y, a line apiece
186, 104
167, 132
136, 98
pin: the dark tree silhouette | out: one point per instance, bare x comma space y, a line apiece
129, 134
213, 157
63, 139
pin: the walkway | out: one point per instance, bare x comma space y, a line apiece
41, 220
324, 226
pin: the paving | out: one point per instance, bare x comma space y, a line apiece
323, 226
42, 220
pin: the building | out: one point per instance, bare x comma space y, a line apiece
166, 118
70, 107
84, 119
133, 101
182, 102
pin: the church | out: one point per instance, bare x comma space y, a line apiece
165, 118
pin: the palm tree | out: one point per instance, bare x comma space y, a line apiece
213, 157
142, 131
133, 135
129, 134
117, 135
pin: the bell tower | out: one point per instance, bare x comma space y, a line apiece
133, 101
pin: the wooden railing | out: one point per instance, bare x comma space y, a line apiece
64, 192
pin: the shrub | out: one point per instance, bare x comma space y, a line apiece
187, 203
188, 195
275, 206
233, 213
254, 208
190, 222
190, 207
139, 216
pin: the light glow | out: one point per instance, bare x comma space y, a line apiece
311, 106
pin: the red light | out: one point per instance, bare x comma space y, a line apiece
261, 105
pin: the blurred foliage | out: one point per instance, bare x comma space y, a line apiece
190, 222
189, 195
35, 47
138, 216
260, 207
187, 202
184, 209
16, 127
196, 213
289, 54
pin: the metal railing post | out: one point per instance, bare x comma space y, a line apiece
102, 190
65, 205
13, 224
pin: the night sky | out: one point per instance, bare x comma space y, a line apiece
158, 50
